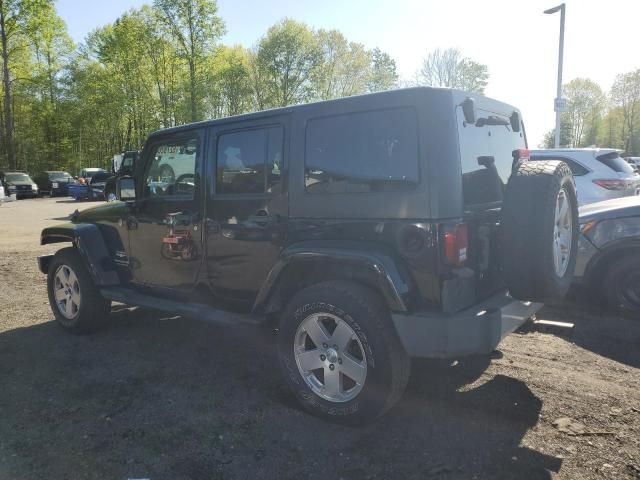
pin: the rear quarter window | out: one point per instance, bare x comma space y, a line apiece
362, 152
615, 162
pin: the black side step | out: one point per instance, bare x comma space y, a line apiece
193, 310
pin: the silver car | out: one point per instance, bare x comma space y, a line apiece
600, 173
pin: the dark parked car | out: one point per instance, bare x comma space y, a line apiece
372, 229
609, 253
54, 183
86, 174
19, 183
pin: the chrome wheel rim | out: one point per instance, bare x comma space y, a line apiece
66, 291
330, 357
562, 234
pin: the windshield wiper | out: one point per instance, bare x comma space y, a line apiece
492, 120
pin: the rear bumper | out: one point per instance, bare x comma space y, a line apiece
477, 330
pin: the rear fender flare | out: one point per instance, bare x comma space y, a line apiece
88, 240
380, 270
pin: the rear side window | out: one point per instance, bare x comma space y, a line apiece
362, 152
486, 157
615, 162
250, 161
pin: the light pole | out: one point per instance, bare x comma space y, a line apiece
558, 104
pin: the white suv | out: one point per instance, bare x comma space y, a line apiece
600, 173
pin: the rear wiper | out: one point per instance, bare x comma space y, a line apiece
492, 120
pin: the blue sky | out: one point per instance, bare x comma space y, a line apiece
513, 37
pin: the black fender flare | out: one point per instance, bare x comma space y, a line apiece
380, 269
86, 237
606, 254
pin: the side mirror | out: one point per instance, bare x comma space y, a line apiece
126, 189
469, 110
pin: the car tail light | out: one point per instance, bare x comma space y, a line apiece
456, 243
611, 184
522, 154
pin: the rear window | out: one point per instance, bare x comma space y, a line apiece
486, 158
615, 162
362, 152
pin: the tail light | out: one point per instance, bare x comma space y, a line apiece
611, 184
521, 154
456, 243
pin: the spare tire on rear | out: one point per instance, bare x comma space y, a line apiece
539, 240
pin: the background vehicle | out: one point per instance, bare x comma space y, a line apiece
20, 184
634, 161
92, 189
337, 220
609, 253
53, 183
86, 174
600, 173
122, 165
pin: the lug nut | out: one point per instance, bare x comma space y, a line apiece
324, 345
323, 358
332, 367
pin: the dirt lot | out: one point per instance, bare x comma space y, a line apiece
173, 398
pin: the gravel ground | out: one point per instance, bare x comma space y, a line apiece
174, 398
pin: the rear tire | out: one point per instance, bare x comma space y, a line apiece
539, 240
75, 300
361, 369
621, 286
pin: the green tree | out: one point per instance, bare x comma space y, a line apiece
284, 64
196, 27
448, 68
383, 74
585, 106
345, 68
625, 94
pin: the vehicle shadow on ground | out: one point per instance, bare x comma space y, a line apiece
597, 328
179, 398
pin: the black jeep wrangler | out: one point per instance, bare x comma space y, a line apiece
372, 229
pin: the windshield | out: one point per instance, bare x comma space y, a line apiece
91, 173
615, 162
60, 176
99, 176
18, 177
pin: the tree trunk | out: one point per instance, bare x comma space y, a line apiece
11, 147
192, 81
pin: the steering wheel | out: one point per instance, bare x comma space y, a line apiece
183, 186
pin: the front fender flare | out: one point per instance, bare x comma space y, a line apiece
86, 237
379, 267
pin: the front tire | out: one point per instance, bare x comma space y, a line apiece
75, 301
340, 354
621, 286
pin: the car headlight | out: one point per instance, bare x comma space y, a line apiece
34, 187
54, 185
12, 187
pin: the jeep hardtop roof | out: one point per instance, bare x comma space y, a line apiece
456, 96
